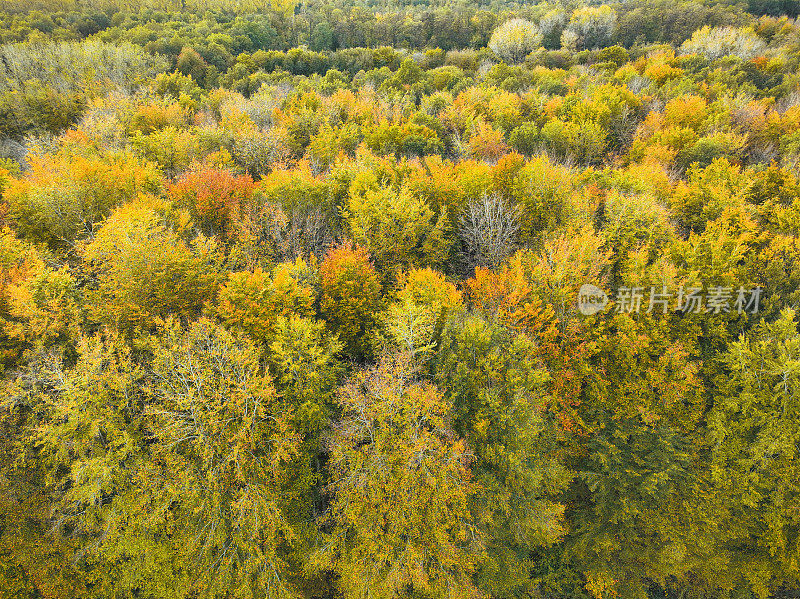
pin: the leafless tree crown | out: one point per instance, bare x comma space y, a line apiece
488, 228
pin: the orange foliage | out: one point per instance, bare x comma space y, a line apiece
214, 197
536, 295
350, 297
253, 301
505, 172
487, 143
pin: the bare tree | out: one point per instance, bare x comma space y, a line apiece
488, 228
307, 232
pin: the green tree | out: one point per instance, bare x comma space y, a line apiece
754, 430
180, 478
303, 357
639, 496
497, 388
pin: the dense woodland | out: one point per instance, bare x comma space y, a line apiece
288, 300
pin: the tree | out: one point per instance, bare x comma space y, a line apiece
398, 230
252, 302
46, 311
53, 419
229, 440
515, 39
753, 430
542, 189
423, 305
192, 460
717, 42
488, 231
323, 37
65, 196
213, 197
191, 64
303, 357
640, 501
552, 26
19, 262
143, 270
525, 138
173, 149
350, 298
590, 27
401, 482
497, 388
486, 143
535, 293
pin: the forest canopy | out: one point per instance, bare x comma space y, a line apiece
410, 300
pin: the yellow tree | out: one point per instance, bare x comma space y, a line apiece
401, 483
398, 229
421, 309
144, 270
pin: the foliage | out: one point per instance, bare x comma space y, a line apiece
293, 304
153, 470
350, 298
214, 198
143, 270
66, 196
590, 27
497, 391
397, 229
402, 483
253, 302
515, 39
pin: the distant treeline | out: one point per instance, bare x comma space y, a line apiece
242, 49
222, 30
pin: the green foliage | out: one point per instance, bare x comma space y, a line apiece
497, 389
641, 409
44, 86
753, 430
303, 358
525, 139
154, 468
